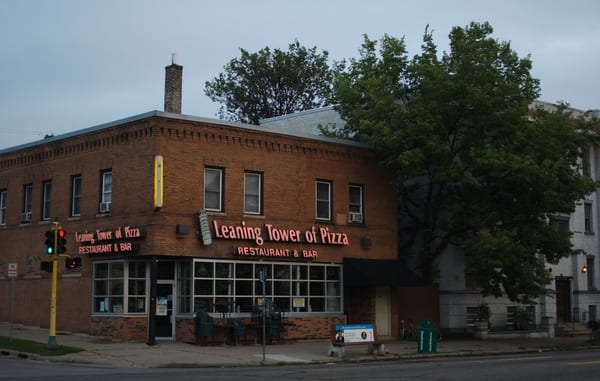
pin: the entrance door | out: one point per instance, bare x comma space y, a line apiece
382, 311
563, 299
165, 319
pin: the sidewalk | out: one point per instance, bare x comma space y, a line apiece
100, 351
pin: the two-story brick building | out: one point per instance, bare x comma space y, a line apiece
172, 213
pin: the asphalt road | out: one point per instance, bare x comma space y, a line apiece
547, 366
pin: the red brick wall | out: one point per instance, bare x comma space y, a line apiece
290, 166
296, 328
119, 328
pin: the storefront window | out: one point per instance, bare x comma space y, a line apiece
136, 292
108, 287
111, 296
231, 286
185, 287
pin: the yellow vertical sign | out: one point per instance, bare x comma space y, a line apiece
158, 181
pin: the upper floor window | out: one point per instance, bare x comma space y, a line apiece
76, 196
355, 203
588, 215
27, 202
252, 193
46, 200
323, 200
106, 192
213, 189
591, 272
560, 223
586, 165
3, 195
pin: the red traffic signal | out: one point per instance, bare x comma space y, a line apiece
50, 240
73, 264
61, 241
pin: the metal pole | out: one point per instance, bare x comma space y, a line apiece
152, 308
264, 319
52, 331
12, 306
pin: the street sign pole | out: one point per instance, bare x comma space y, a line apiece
12, 274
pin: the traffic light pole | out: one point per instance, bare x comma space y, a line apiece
52, 330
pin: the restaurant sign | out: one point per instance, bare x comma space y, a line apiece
271, 233
112, 241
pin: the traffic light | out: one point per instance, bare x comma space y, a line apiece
50, 240
61, 241
73, 264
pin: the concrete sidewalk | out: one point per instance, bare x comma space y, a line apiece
101, 351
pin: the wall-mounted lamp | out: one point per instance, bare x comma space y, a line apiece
365, 242
584, 269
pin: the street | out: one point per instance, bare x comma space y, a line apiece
546, 366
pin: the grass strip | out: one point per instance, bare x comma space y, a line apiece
33, 347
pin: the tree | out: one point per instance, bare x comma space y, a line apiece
272, 83
476, 170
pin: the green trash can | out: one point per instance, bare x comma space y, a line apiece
426, 337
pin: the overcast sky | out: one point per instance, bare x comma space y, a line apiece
66, 65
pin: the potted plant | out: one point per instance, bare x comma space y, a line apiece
483, 314
482, 322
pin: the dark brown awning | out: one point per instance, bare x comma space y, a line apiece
374, 272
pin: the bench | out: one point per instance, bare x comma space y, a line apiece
354, 334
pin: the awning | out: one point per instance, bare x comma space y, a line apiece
374, 272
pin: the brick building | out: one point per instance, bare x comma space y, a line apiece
172, 213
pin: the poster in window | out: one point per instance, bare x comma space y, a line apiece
161, 306
298, 302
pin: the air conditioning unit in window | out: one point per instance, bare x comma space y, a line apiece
104, 207
26, 216
356, 218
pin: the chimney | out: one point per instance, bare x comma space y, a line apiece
173, 76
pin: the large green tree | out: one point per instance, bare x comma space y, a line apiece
479, 173
271, 83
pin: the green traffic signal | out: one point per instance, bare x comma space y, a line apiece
50, 240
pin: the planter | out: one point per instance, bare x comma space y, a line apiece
481, 329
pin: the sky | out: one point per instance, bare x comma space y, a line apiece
66, 65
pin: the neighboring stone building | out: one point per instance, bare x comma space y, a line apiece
573, 295
172, 213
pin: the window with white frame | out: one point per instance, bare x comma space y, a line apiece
355, 203
109, 287
524, 313
588, 215
120, 287
472, 315
46, 200
213, 189
184, 287
136, 287
591, 272
27, 202
235, 286
252, 193
323, 200
3, 196
76, 196
560, 223
106, 192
